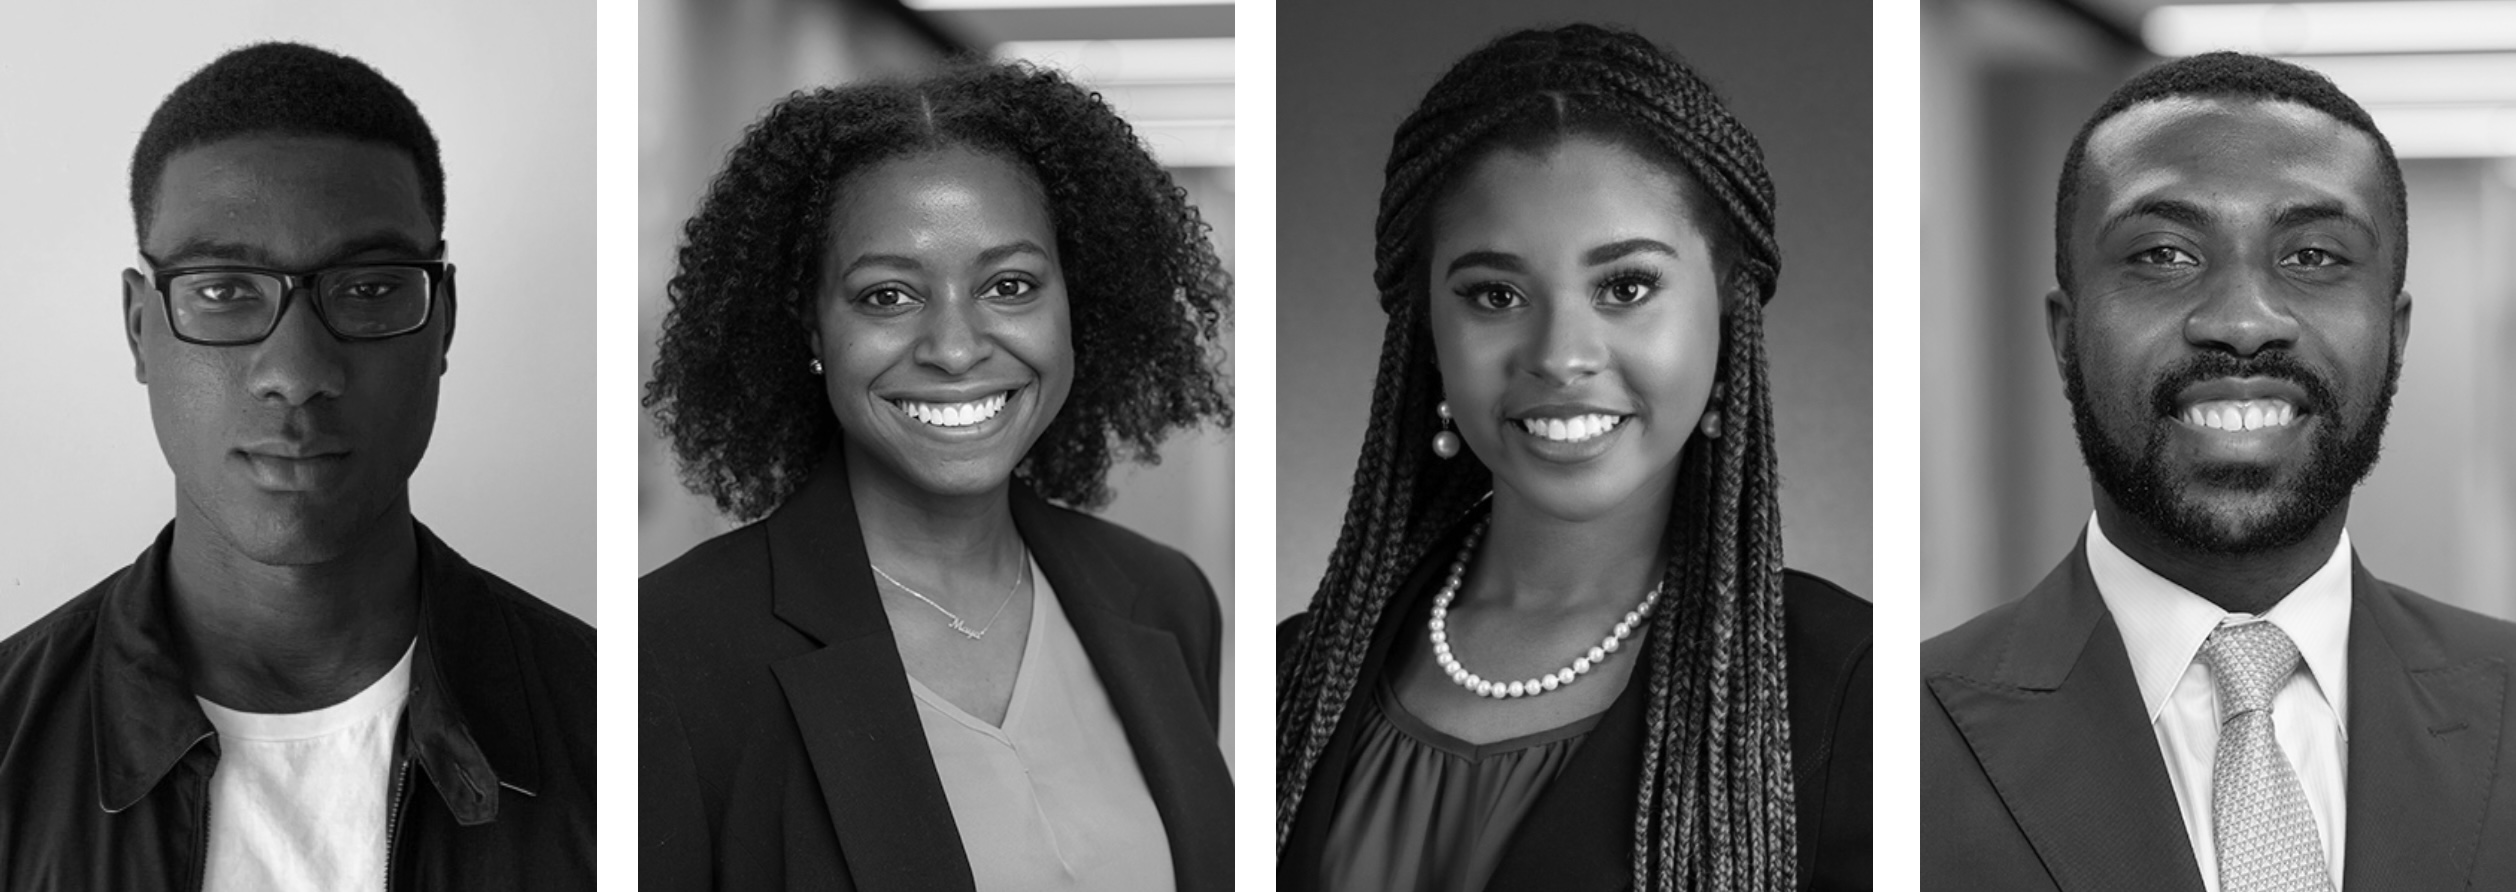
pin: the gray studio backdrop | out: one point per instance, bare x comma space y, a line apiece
1796, 72
708, 68
509, 90
2005, 84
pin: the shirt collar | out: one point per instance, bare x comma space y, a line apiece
2164, 624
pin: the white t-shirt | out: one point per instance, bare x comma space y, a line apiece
299, 799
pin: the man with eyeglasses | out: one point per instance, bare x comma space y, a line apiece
298, 686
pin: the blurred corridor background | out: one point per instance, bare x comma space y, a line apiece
2006, 83
708, 68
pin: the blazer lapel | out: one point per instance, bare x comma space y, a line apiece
851, 698
2057, 724
1148, 681
2424, 728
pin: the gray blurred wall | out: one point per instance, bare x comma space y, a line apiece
2005, 85
1796, 72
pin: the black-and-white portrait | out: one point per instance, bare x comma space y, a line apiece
2218, 478
298, 570
935, 499
1588, 286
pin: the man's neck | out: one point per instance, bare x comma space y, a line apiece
267, 638
2252, 582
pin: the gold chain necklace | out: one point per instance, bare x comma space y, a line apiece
957, 624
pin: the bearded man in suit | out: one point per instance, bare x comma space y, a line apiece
2211, 692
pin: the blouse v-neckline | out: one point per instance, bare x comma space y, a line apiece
1023, 676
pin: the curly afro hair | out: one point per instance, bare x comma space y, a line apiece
1147, 294
283, 88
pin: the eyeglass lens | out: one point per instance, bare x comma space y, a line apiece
357, 302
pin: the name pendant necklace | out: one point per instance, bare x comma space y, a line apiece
957, 624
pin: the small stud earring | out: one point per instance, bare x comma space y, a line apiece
816, 365
1446, 443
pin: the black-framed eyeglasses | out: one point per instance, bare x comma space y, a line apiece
229, 305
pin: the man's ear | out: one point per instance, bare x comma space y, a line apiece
445, 314
2059, 317
136, 292
2402, 321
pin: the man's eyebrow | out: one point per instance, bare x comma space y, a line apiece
2317, 212
1509, 263
1613, 251
198, 250
2181, 213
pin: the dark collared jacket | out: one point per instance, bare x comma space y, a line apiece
105, 757
779, 746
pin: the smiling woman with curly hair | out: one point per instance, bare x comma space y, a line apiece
907, 318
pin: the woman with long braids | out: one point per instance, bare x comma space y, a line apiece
1555, 646
908, 316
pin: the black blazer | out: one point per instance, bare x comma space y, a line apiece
1579, 835
2040, 772
779, 746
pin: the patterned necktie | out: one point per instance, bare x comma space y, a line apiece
2266, 835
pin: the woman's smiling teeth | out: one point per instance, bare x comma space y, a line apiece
1571, 430
955, 414
2239, 415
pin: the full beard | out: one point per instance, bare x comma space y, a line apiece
2338, 458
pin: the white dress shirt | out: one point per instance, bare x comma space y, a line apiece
2163, 627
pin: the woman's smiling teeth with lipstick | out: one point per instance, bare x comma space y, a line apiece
1574, 429
955, 414
2239, 415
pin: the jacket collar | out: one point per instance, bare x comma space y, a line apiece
2425, 722
465, 714
2054, 718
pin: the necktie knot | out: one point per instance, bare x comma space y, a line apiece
2249, 663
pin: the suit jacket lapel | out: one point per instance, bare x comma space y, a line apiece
2424, 728
851, 698
2055, 719
1148, 680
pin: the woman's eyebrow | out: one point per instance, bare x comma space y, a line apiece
892, 261
1509, 263
1613, 251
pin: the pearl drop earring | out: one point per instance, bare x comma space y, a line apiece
1710, 426
816, 365
1445, 443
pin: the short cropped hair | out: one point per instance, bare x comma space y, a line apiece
283, 89
2239, 76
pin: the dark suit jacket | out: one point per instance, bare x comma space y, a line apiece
2040, 771
1579, 835
779, 746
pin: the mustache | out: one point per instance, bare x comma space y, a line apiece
2282, 365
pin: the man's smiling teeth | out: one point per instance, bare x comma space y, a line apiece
1571, 430
955, 414
2239, 415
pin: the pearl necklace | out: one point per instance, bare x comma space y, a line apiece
1532, 687
957, 624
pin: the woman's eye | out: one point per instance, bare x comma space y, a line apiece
2164, 255
1629, 289
1010, 288
2315, 258
886, 298
1491, 297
